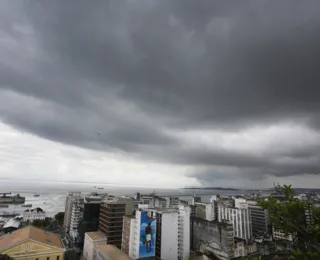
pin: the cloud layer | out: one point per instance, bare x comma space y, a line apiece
221, 90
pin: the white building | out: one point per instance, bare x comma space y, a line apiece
70, 200
33, 214
184, 232
280, 235
91, 241
239, 218
172, 236
76, 217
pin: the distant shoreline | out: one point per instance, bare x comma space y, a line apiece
209, 188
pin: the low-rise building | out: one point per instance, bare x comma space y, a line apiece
33, 244
110, 252
34, 214
91, 241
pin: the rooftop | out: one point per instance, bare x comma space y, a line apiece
113, 252
30, 232
96, 235
14, 223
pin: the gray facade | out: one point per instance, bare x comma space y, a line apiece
259, 220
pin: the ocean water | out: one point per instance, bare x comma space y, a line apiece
53, 194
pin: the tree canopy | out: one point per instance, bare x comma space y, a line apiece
298, 218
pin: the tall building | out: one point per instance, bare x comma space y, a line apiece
76, 216
33, 244
259, 220
239, 218
90, 216
163, 233
70, 200
111, 218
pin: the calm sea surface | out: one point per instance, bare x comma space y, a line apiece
53, 194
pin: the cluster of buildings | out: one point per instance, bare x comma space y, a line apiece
104, 227
167, 228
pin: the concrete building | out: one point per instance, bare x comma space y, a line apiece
172, 232
239, 218
70, 200
184, 232
259, 220
126, 232
205, 210
111, 218
110, 252
212, 238
89, 221
85, 217
166, 237
33, 214
280, 235
76, 216
33, 244
91, 241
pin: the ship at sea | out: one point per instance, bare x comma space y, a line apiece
36, 195
6, 198
26, 205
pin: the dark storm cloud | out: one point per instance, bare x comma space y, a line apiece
135, 70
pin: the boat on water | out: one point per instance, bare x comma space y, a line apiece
6, 198
36, 195
100, 188
4, 206
26, 205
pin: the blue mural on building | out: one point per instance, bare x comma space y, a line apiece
147, 236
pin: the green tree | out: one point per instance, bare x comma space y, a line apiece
289, 215
59, 217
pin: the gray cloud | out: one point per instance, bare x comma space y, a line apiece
124, 75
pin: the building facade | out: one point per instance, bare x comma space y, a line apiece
91, 241
126, 230
170, 233
70, 200
111, 219
205, 210
33, 244
212, 236
260, 220
33, 214
239, 218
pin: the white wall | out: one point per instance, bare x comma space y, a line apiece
31, 216
169, 236
184, 236
135, 236
89, 247
239, 218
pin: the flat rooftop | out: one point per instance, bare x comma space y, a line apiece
96, 236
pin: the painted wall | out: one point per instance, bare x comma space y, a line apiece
147, 236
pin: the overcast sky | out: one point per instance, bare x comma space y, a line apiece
167, 92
